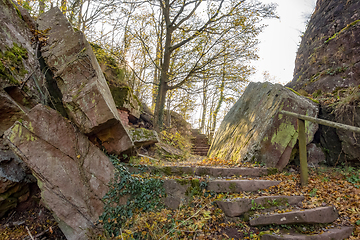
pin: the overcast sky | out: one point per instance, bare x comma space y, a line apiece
281, 38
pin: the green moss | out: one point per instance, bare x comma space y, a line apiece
166, 170
11, 63
272, 171
195, 188
303, 95
17, 10
284, 134
182, 182
294, 91
342, 30
141, 133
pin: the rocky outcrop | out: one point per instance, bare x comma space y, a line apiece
328, 67
22, 84
254, 130
329, 54
86, 95
72, 173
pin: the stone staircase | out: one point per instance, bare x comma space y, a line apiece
200, 143
261, 211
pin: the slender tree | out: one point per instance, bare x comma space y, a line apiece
191, 40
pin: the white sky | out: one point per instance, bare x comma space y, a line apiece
281, 38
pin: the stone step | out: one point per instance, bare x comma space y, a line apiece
180, 190
200, 154
307, 216
237, 186
200, 142
238, 206
201, 147
202, 171
329, 234
200, 150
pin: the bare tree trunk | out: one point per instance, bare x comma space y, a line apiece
159, 106
221, 100
204, 106
163, 87
157, 61
168, 112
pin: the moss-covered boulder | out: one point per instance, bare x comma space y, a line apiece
254, 130
143, 137
126, 100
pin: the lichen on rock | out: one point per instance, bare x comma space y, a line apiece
255, 131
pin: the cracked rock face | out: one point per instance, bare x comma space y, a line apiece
71, 172
329, 54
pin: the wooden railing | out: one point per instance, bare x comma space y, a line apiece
302, 138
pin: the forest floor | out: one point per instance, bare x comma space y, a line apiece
201, 219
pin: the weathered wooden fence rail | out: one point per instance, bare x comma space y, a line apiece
302, 138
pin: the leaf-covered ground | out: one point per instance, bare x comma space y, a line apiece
30, 218
339, 187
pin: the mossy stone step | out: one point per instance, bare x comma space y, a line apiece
307, 216
238, 206
180, 190
237, 186
330, 234
201, 171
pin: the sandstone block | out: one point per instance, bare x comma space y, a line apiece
308, 216
221, 186
86, 96
71, 172
254, 130
237, 207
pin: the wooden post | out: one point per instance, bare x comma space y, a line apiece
302, 152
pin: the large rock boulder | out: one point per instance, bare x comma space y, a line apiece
254, 130
71, 172
329, 54
86, 95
